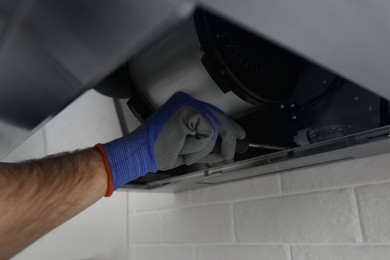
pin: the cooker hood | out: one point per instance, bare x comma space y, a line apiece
281, 98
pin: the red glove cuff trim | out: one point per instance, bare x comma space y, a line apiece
110, 185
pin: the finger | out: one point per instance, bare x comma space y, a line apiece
224, 148
212, 158
228, 144
225, 120
201, 133
195, 144
179, 161
171, 141
237, 129
197, 156
229, 133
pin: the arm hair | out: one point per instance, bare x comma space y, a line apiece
37, 196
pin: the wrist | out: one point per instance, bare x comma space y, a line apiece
103, 159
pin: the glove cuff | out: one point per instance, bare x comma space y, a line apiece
127, 158
110, 185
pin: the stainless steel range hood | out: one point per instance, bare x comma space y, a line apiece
53, 51
341, 46
331, 115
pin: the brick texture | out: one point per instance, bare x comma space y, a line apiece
144, 228
144, 201
374, 204
206, 224
324, 217
341, 253
240, 252
164, 253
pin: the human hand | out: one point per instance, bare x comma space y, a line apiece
183, 131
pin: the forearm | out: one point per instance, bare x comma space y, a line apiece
38, 196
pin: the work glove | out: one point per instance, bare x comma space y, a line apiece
183, 131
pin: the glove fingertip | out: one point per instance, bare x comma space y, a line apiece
228, 147
241, 134
212, 158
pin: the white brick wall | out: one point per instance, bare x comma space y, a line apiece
339, 211
323, 217
204, 224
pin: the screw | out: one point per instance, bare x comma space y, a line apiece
292, 105
281, 106
294, 117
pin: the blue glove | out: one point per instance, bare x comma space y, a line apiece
183, 131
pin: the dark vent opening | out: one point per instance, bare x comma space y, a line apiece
255, 69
